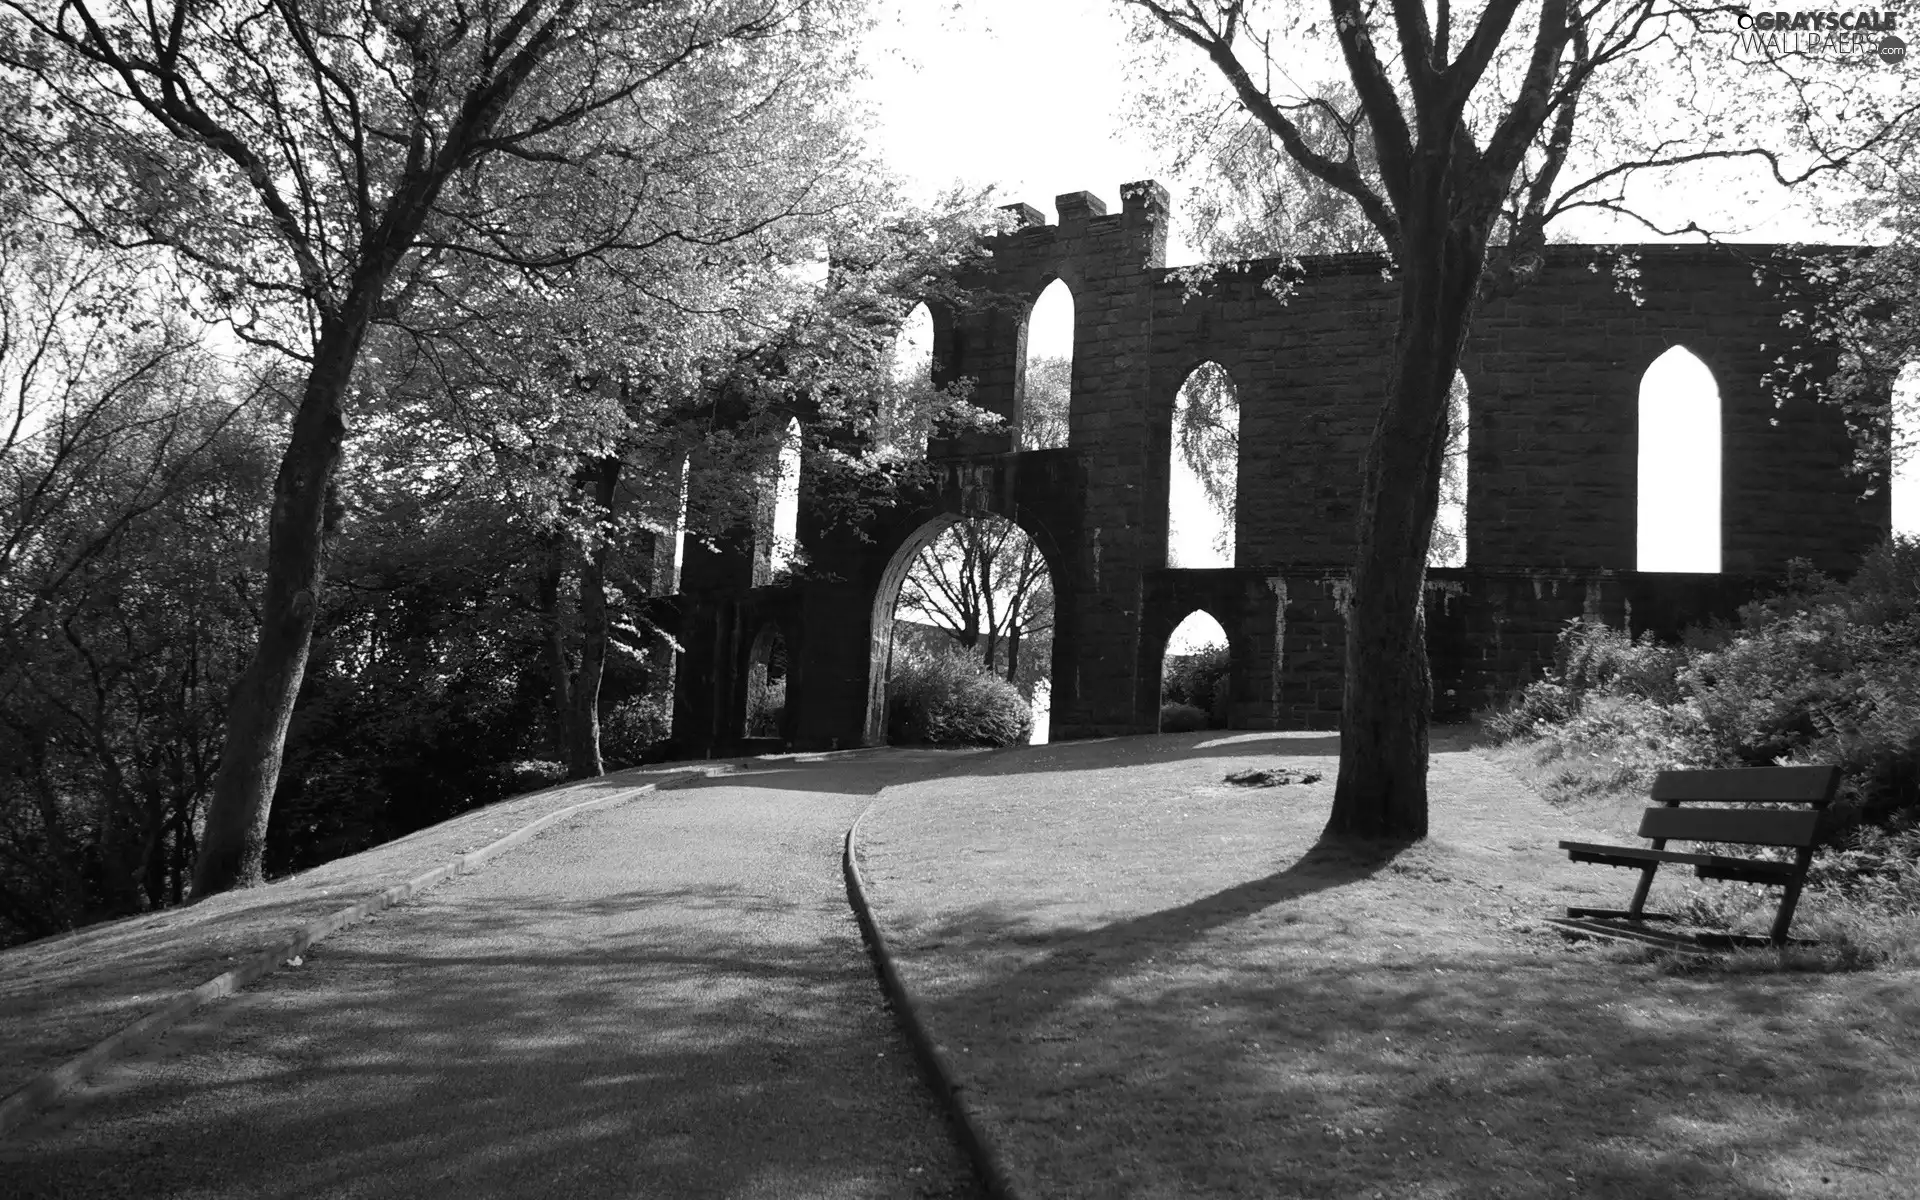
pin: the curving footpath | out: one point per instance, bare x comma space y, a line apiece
665, 997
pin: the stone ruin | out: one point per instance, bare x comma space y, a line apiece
1553, 374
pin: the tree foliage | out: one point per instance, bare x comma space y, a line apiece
133, 471
324, 171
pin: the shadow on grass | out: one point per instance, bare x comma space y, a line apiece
617, 1046
1116, 753
844, 774
1446, 1079
1245, 1044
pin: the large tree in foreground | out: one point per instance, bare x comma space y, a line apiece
320, 163
1465, 118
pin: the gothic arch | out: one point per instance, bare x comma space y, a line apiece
885, 596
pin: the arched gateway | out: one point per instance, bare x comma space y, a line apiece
1551, 478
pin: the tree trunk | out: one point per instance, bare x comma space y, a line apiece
234, 841
1387, 705
576, 692
585, 720
559, 665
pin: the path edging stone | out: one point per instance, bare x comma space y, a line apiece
934, 1062
48, 1088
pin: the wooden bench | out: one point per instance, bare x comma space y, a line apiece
1794, 828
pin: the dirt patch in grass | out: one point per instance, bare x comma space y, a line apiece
1159, 983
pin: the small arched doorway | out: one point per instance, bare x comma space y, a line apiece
1195, 676
766, 699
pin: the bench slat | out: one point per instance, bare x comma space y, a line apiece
1634, 856
1752, 871
1751, 785
1628, 856
1746, 826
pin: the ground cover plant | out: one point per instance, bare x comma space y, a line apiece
1175, 986
1823, 672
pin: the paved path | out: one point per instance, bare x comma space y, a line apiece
665, 998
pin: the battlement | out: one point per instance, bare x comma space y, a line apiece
1136, 236
1142, 201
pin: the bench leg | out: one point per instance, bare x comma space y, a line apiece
1640, 892
1790, 896
1646, 883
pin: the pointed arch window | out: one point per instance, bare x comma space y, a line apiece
905, 415
1678, 526
1448, 545
1046, 382
1905, 481
1204, 472
786, 501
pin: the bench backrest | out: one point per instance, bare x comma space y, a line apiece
1813, 786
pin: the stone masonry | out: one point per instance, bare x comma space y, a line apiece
1553, 374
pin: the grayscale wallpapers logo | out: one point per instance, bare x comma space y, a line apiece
1843, 35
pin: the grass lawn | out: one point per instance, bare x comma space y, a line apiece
1159, 984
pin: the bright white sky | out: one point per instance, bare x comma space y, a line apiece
1023, 94
1029, 95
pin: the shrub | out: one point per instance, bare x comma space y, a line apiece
531, 775
1823, 672
950, 699
1594, 657
1538, 706
1181, 718
1198, 680
767, 712
629, 728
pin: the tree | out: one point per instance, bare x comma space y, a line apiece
1870, 309
1247, 197
133, 473
319, 166
985, 584
1472, 118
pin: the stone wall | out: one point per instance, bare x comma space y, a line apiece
1553, 373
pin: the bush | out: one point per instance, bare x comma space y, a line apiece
767, 712
1824, 672
950, 699
531, 775
1197, 680
1594, 657
1181, 718
629, 728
